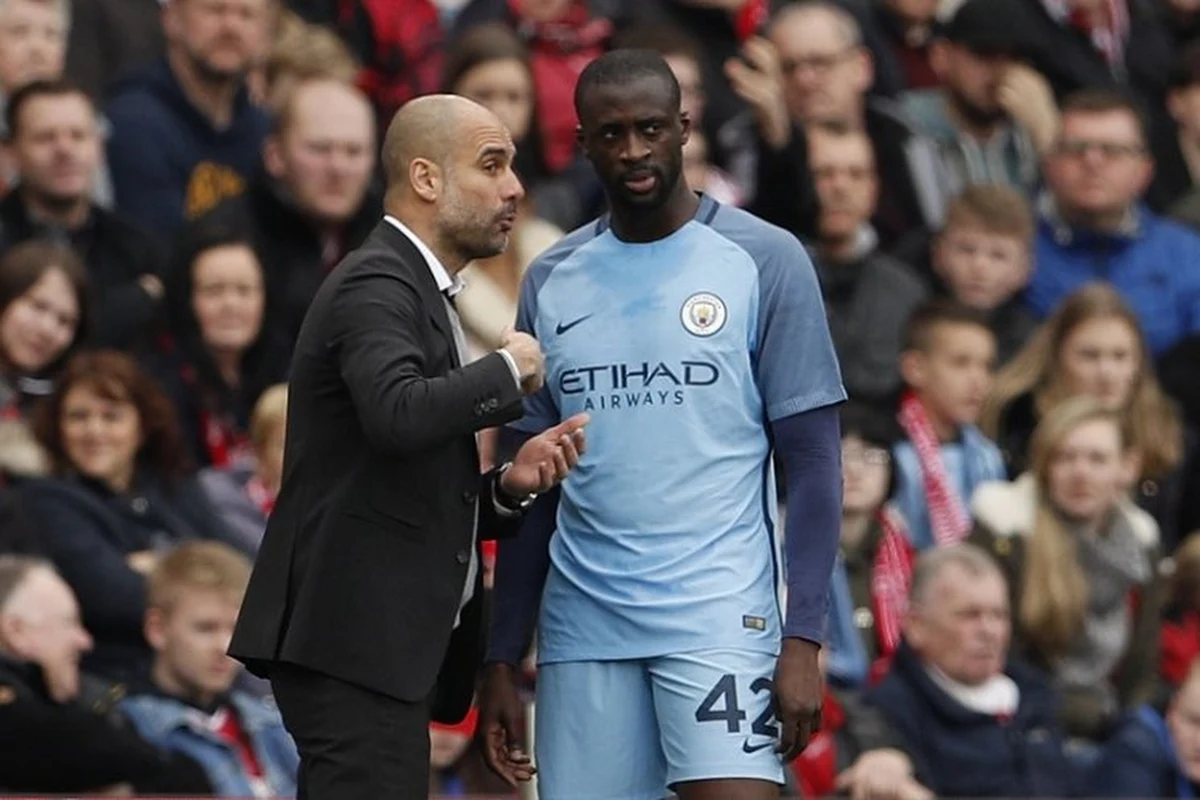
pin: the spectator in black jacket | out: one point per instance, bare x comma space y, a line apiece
16, 535
219, 357
973, 723
58, 732
868, 294
314, 203
55, 142
121, 495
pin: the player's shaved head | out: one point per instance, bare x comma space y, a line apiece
620, 68
427, 127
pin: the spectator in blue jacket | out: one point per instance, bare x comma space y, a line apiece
190, 707
1094, 227
1154, 754
185, 134
974, 723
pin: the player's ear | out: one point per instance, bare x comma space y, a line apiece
685, 126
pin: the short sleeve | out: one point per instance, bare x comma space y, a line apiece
795, 364
540, 410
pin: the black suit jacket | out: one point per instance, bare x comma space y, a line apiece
362, 567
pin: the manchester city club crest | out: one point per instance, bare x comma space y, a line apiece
703, 314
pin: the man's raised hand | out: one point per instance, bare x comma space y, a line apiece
543, 461
527, 353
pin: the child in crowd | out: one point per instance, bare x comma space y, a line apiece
983, 256
947, 362
190, 705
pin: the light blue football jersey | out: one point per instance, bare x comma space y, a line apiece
682, 350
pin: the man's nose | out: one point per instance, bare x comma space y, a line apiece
513, 189
635, 148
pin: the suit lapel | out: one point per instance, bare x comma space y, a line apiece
433, 300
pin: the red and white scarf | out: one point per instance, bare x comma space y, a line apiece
226, 446
947, 512
891, 577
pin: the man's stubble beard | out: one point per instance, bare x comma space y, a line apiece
56, 204
972, 113
209, 74
467, 231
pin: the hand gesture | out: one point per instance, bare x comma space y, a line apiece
798, 695
543, 461
500, 732
882, 774
759, 81
527, 353
1026, 96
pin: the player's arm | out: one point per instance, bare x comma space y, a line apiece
800, 383
809, 444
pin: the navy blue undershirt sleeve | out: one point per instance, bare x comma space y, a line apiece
809, 445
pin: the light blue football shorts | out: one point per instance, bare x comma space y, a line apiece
629, 730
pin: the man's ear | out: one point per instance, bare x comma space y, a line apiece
154, 628
939, 57
11, 630
273, 157
913, 368
685, 124
426, 179
914, 630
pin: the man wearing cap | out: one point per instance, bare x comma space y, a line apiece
993, 118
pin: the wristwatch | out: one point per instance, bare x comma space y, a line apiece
505, 499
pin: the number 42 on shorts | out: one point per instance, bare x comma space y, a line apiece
724, 694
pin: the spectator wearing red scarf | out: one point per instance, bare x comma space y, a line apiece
874, 566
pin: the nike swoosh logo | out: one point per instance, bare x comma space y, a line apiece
754, 748
560, 328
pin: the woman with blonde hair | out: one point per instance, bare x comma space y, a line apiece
1082, 561
1094, 345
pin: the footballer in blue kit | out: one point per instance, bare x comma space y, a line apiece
695, 336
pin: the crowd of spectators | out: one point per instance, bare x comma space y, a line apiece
1001, 199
